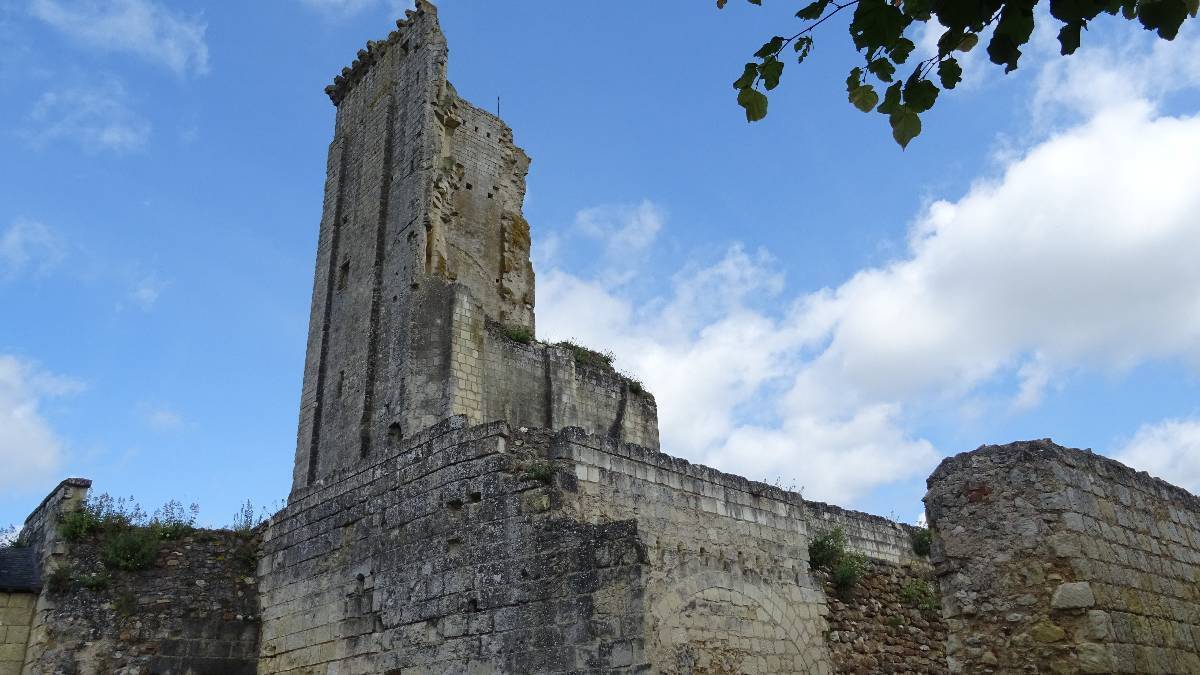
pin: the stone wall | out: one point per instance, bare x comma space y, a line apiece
452, 555
1059, 560
193, 612
16, 615
874, 536
889, 622
727, 585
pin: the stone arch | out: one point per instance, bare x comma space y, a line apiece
792, 626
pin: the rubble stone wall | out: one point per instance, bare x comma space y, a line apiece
1061, 560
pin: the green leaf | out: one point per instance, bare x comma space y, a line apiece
967, 43
1068, 37
803, 46
721, 4
906, 125
891, 100
771, 70
864, 97
882, 68
876, 24
749, 75
1163, 16
1011, 32
920, 95
755, 103
917, 9
950, 73
813, 11
770, 48
901, 50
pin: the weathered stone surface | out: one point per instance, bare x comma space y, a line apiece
1073, 595
1094, 563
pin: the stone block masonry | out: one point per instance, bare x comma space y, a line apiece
1060, 560
16, 615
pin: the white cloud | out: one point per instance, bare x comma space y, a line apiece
1169, 450
29, 247
146, 291
349, 7
160, 417
95, 115
1078, 256
141, 27
30, 449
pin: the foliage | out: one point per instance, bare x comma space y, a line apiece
883, 32
520, 334
10, 537
125, 604
847, 571
246, 555
97, 581
635, 385
919, 593
921, 541
60, 579
131, 549
825, 550
101, 513
587, 357
245, 520
540, 471
173, 521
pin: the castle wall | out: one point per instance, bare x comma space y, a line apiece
16, 615
727, 584
452, 555
192, 612
1066, 561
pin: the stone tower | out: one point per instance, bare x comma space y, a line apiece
423, 269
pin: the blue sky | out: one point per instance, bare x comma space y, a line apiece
810, 304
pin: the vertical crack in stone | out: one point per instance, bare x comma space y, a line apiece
330, 279
385, 189
614, 432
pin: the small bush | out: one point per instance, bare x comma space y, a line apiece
125, 604
635, 385
173, 521
848, 571
60, 580
921, 541
919, 594
520, 334
540, 471
101, 513
826, 550
94, 582
588, 357
132, 549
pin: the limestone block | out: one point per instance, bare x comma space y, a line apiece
1073, 595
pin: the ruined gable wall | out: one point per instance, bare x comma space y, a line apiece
1064, 560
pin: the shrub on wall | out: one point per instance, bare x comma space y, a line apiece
825, 550
132, 549
921, 541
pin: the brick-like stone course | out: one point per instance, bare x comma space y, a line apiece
1060, 560
16, 616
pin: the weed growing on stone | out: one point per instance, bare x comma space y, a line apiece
540, 471
848, 571
587, 357
517, 334
102, 513
125, 604
919, 594
825, 550
132, 549
921, 541
60, 579
173, 521
94, 582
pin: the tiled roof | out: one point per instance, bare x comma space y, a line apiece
19, 570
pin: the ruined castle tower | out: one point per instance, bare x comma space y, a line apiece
423, 274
